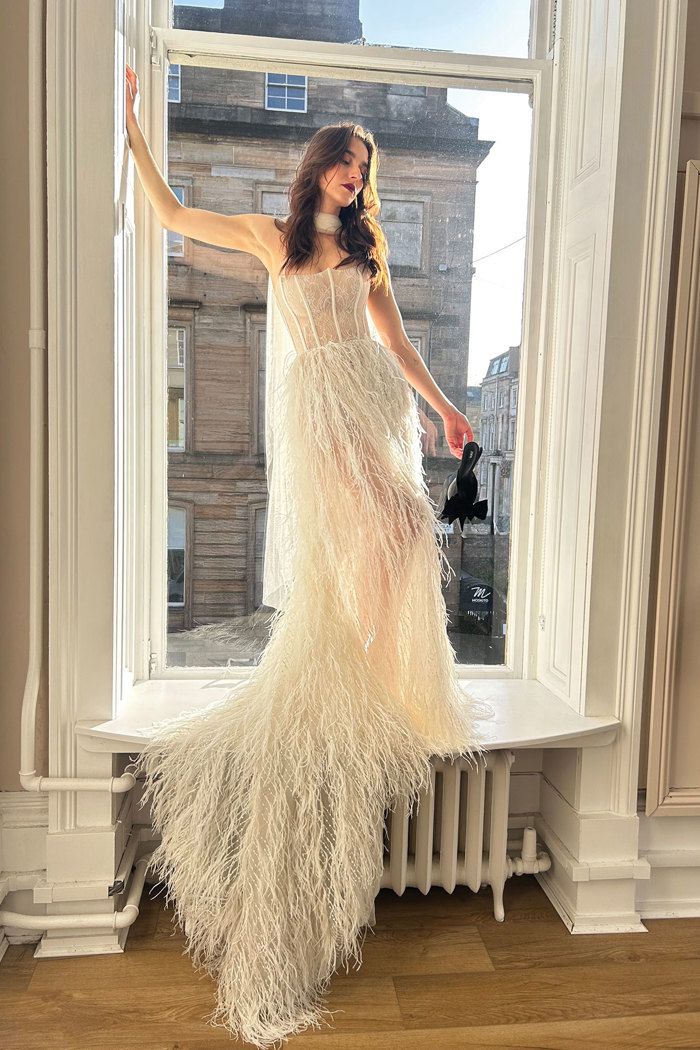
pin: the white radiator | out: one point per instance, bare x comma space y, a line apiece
458, 832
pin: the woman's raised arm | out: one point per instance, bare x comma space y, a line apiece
245, 233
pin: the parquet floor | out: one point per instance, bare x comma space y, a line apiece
438, 972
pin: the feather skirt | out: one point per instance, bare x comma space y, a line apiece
270, 803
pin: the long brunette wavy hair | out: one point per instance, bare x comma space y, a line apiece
360, 234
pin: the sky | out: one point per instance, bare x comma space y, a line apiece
483, 27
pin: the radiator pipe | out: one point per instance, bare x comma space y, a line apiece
530, 862
117, 920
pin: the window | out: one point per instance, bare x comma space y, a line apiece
173, 82
441, 146
402, 222
432, 217
260, 524
176, 388
285, 91
502, 29
417, 90
177, 518
274, 202
259, 392
176, 348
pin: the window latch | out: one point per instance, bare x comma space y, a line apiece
155, 52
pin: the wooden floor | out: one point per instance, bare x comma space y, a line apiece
439, 972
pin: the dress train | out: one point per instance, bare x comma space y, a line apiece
270, 802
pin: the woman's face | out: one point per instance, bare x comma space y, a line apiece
341, 184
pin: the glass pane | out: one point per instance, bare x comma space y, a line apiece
273, 203
402, 211
476, 27
176, 348
177, 519
176, 417
454, 208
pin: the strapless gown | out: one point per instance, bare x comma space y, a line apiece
271, 802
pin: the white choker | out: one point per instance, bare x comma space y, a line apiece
327, 223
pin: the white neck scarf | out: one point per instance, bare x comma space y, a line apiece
325, 222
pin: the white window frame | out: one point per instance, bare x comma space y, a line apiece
603, 191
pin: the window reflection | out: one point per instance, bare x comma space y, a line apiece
176, 556
176, 387
402, 222
285, 91
496, 27
173, 82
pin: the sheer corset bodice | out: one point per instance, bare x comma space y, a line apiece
325, 307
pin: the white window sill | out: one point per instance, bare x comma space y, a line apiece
526, 715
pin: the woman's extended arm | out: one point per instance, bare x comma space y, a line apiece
386, 316
246, 233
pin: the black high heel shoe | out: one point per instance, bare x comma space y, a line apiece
461, 489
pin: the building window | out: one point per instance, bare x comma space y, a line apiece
260, 520
285, 91
402, 222
261, 335
176, 387
173, 82
176, 241
274, 202
177, 528
417, 90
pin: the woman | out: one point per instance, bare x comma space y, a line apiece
271, 802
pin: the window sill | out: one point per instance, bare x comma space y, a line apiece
527, 714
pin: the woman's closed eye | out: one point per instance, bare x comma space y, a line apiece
362, 173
